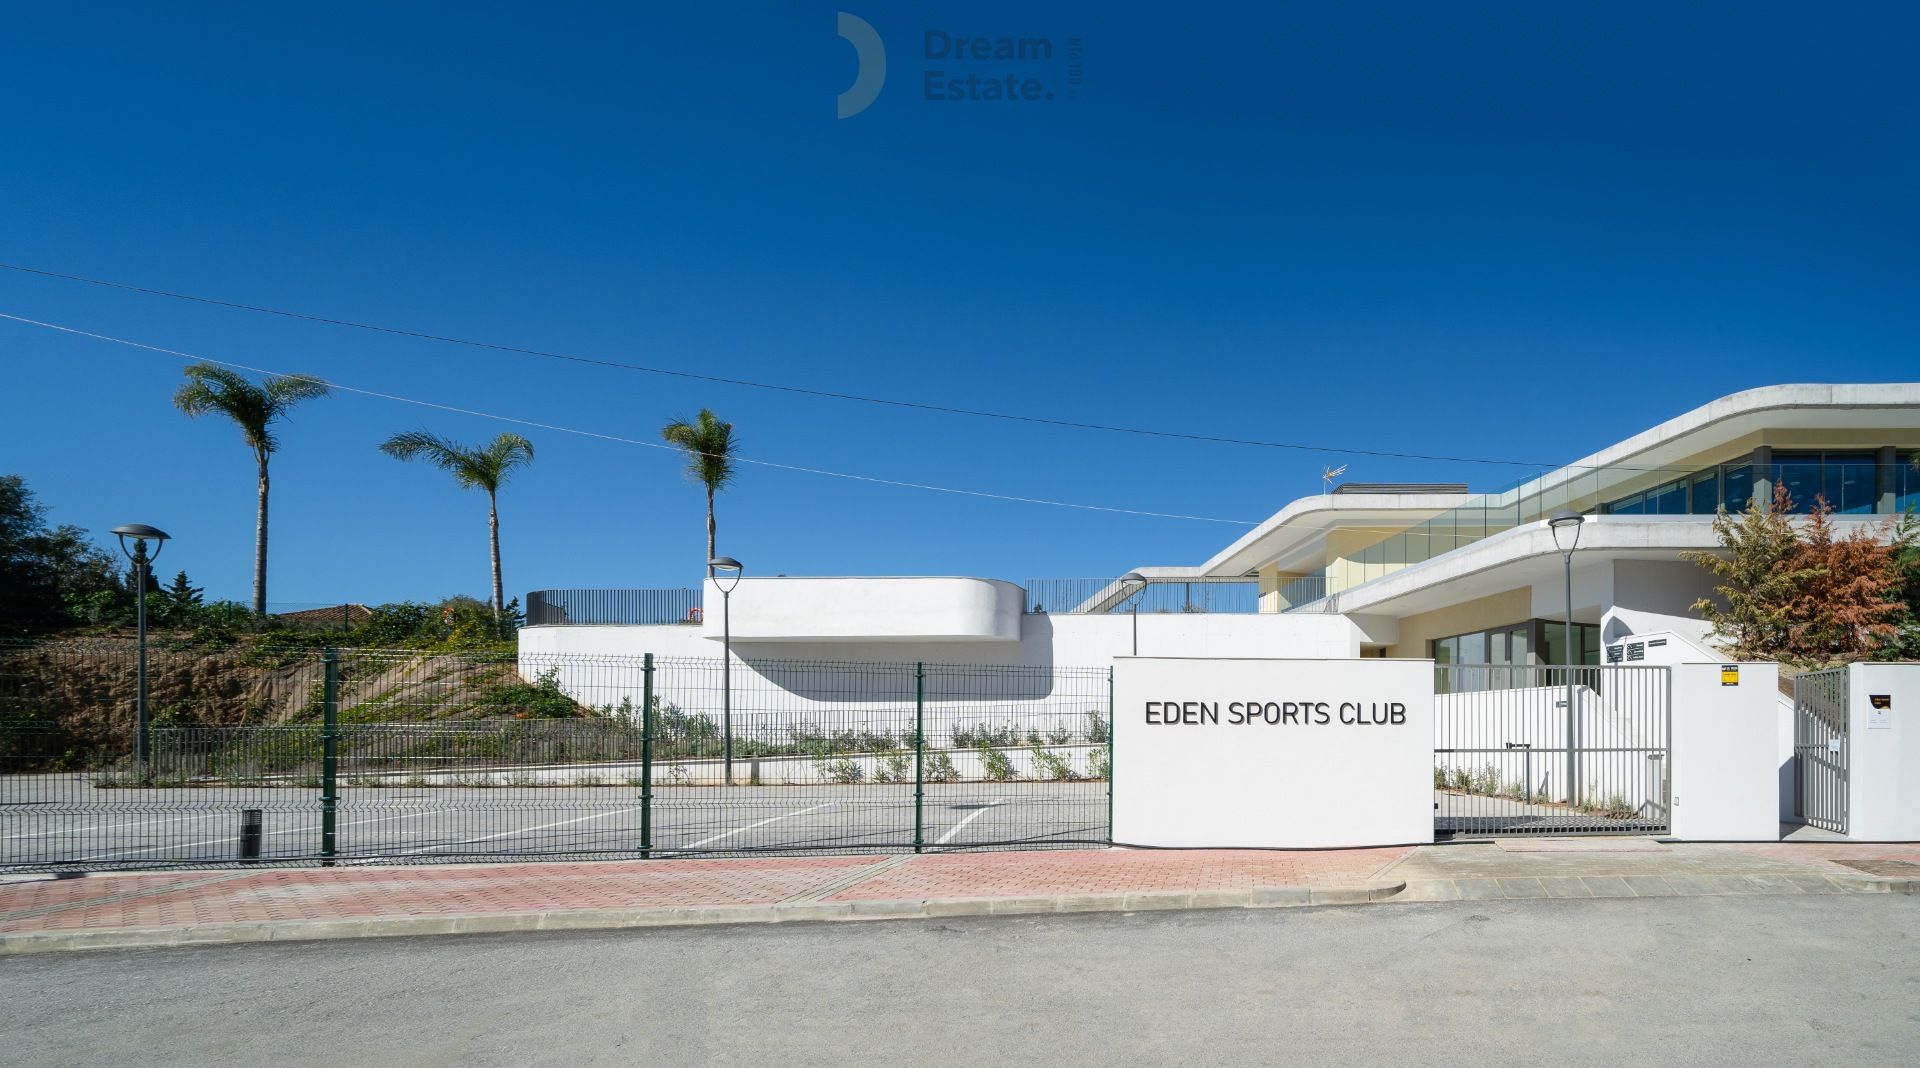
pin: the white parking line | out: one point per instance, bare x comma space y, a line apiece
971, 816
97, 826
313, 828
520, 830
749, 827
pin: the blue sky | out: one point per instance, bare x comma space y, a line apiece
1517, 231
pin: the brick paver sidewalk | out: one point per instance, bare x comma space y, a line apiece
197, 898
162, 908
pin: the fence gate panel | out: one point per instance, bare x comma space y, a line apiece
1551, 750
1820, 748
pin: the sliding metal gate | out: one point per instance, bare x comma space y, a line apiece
1551, 750
1820, 748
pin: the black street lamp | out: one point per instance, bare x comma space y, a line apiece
1567, 520
1135, 576
716, 567
140, 534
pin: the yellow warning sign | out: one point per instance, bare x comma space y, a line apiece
1729, 674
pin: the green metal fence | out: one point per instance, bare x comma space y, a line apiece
376, 756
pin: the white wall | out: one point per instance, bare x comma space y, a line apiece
1883, 761
600, 666
1726, 781
1044, 639
1273, 785
898, 609
1656, 595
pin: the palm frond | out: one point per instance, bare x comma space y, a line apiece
473, 467
708, 444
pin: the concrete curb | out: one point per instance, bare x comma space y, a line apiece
1601, 887
614, 919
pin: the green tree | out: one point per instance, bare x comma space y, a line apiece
184, 593
708, 444
484, 467
254, 409
50, 576
1760, 576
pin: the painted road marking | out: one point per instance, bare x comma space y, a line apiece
750, 826
313, 828
971, 816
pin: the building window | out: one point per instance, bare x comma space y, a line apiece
1501, 658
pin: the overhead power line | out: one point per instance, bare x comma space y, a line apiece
623, 440
806, 391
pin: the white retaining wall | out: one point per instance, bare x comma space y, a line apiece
1883, 753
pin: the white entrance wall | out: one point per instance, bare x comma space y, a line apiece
1336, 752
1726, 777
1883, 757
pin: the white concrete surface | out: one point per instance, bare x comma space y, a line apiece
1351, 765
903, 609
1726, 782
1883, 753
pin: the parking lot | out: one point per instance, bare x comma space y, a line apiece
50, 821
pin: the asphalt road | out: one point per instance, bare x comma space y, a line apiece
63, 823
1673, 981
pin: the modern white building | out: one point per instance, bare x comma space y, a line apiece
1363, 571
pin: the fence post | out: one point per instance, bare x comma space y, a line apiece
1110, 726
919, 756
329, 752
646, 757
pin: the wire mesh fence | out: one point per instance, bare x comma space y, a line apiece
370, 755
1551, 750
559, 608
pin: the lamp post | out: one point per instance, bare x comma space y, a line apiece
1135, 576
1568, 521
726, 565
140, 534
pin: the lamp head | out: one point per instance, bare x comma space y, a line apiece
1566, 519
140, 533
727, 566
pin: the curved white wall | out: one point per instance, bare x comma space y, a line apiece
870, 609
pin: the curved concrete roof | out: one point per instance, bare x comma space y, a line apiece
1303, 522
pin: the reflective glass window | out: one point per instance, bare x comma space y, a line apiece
1706, 492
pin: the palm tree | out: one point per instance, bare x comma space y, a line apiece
254, 409
708, 443
485, 467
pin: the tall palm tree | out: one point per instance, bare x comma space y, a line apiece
484, 467
708, 443
254, 409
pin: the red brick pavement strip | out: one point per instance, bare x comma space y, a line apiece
344, 893
197, 899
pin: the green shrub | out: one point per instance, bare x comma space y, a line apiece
939, 768
1097, 729
896, 766
540, 699
840, 770
1051, 767
1098, 763
996, 765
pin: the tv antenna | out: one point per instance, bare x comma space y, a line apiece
1328, 474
